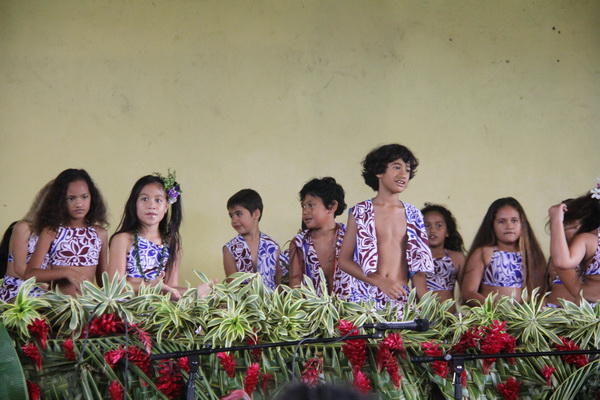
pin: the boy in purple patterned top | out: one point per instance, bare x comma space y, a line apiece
386, 242
251, 250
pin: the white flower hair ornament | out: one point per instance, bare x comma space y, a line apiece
171, 186
596, 191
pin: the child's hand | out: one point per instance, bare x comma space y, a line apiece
76, 278
557, 211
393, 290
205, 288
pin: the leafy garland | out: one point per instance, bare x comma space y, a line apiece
234, 313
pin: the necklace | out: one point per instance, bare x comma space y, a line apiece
163, 259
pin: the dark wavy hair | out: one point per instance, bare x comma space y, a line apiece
53, 211
168, 226
454, 241
534, 261
586, 210
328, 190
247, 198
377, 160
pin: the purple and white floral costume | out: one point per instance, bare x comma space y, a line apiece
443, 276
342, 282
150, 259
268, 252
10, 284
418, 254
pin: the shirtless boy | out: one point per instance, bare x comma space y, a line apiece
386, 242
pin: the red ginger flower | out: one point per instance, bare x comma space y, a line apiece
228, 363
106, 324
68, 349
256, 353
31, 351
170, 380
354, 350
496, 339
183, 364
112, 357
469, 340
362, 383
39, 328
547, 372
135, 354
313, 367
116, 390
386, 359
251, 378
510, 389
440, 367
144, 337
33, 390
394, 342
578, 359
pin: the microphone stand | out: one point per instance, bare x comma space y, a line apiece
457, 361
194, 355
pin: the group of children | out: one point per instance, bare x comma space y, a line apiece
386, 248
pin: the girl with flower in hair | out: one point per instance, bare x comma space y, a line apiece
447, 249
21, 245
146, 246
584, 249
505, 256
71, 224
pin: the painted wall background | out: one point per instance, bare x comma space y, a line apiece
496, 98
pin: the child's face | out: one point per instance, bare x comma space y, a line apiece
314, 213
507, 225
242, 220
395, 178
78, 200
436, 228
151, 205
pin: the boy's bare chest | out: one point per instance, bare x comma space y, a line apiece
390, 224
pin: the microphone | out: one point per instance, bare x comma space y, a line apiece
419, 325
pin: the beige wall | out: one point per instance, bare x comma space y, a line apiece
496, 98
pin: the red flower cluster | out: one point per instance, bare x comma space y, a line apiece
354, 350
313, 367
183, 364
33, 390
361, 382
256, 353
39, 328
68, 349
432, 349
116, 390
547, 372
265, 382
228, 363
386, 359
104, 325
469, 340
510, 389
494, 340
136, 355
170, 381
31, 351
579, 360
251, 378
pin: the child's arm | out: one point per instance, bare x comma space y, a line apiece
347, 264
73, 275
278, 270
117, 262
20, 247
296, 267
563, 255
228, 262
103, 256
472, 276
419, 281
